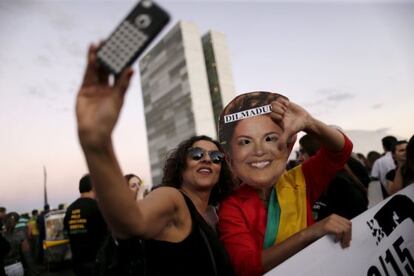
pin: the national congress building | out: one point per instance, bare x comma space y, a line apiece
186, 80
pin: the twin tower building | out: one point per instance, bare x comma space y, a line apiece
186, 81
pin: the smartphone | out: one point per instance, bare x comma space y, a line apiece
132, 36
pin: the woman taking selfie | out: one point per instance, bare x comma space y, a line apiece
170, 220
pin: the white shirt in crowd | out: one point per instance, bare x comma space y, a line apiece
382, 166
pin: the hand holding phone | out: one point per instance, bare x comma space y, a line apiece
132, 36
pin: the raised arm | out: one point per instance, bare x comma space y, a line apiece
98, 106
335, 151
293, 118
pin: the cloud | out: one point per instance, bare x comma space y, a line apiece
9, 8
72, 47
334, 94
377, 106
42, 60
36, 92
60, 18
383, 130
337, 97
313, 103
328, 98
41, 91
65, 109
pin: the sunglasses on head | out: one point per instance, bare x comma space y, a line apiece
197, 154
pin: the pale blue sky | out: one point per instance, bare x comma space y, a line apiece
350, 63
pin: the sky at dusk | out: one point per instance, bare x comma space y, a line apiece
349, 63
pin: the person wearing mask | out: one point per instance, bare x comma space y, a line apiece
268, 218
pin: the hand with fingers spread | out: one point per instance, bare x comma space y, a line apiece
99, 102
290, 117
339, 227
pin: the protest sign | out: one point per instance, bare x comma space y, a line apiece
382, 244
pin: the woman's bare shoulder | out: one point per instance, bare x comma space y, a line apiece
166, 193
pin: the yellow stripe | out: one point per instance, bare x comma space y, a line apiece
47, 244
291, 195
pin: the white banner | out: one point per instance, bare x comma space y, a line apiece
382, 244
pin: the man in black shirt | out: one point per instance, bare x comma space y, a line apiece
85, 227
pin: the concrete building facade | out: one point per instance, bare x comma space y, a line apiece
176, 79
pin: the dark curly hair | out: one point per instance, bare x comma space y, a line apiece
176, 164
240, 103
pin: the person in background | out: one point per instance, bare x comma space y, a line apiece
404, 175
170, 219
85, 228
20, 252
372, 156
384, 164
346, 194
135, 184
33, 234
42, 231
110, 260
4, 250
399, 155
268, 218
23, 221
361, 158
358, 170
2, 216
4, 245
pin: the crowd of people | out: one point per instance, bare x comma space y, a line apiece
236, 206
21, 238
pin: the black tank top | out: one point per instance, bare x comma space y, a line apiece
192, 255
